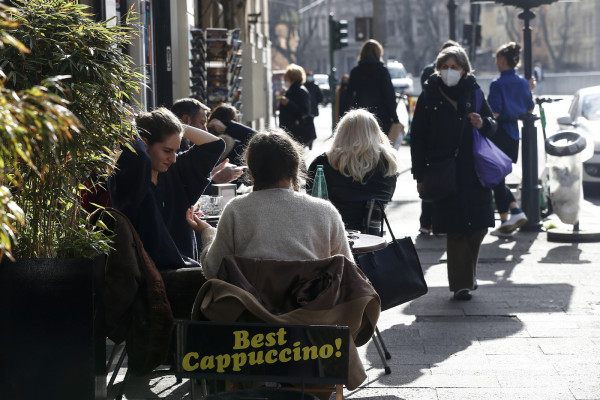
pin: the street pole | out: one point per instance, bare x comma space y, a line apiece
475, 11
332, 85
530, 188
452, 15
379, 22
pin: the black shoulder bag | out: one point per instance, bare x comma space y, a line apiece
394, 271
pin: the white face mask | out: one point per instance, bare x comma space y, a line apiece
450, 77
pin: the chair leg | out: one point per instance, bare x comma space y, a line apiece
388, 370
119, 395
113, 354
385, 350
339, 392
117, 367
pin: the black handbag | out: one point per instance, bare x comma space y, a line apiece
394, 271
439, 180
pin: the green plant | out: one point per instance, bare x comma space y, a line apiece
67, 131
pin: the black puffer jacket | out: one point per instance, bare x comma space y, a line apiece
350, 197
370, 87
435, 132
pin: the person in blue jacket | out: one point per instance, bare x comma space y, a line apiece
510, 97
155, 186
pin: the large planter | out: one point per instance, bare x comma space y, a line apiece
51, 329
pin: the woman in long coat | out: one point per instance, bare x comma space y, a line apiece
370, 86
444, 118
294, 110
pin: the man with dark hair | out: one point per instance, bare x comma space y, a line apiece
191, 112
194, 113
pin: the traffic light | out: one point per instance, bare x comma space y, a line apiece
468, 35
340, 33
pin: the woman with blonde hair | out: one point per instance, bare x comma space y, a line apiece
361, 165
294, 109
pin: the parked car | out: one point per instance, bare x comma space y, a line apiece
584, 118
322, 80
402, 81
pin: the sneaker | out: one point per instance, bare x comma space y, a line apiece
515, 221
463, 295
496, 232
425, 230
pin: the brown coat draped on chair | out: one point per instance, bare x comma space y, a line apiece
330, 291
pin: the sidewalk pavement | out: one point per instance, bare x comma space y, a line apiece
531, 331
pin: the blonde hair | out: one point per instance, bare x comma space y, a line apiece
295, 73
360, 146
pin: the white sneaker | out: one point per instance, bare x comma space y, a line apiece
496, 232
513, 223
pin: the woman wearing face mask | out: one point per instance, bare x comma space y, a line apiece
510, 97
442, 123
294, 109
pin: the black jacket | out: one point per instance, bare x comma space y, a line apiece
435, 133
350, 197
371, 87
293, 117
157, 212
316, 97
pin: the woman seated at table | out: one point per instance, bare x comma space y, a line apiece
360, 165
154, 186
274, 221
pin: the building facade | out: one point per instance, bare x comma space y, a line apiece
164, 49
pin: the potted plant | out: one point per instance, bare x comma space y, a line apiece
65, 82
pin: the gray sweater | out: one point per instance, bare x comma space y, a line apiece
275, 224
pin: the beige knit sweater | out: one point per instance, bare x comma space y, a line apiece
275, 224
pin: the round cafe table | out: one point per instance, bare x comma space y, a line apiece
364, 243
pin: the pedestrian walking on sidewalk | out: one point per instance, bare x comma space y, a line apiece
442, 129
426, 208
509, 97
370, 87
294, 109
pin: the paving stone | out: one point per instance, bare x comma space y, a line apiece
504, 394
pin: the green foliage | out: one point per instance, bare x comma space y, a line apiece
63, 113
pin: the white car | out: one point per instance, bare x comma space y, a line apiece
403, 83
584, 118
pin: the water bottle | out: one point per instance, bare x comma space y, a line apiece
319, 188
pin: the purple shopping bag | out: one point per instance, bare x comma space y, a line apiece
491, 164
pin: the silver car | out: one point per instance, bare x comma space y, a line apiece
584, 117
